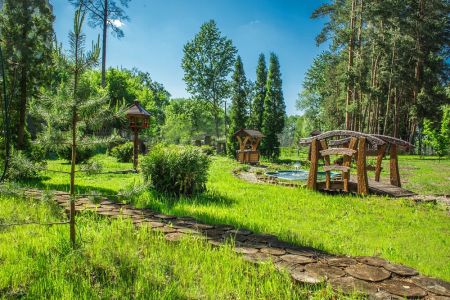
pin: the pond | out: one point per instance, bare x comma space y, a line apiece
299, 175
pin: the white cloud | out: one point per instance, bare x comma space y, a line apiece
254, 22
116, 23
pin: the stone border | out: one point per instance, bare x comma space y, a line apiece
371, 276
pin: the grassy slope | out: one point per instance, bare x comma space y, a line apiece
115, 261
415, 235
398, 230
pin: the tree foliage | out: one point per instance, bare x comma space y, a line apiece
274, 110
257, 108
208, 60
239, 105
27, 35
386, 68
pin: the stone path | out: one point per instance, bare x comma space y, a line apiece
373, 276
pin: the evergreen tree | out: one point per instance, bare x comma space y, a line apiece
274, 110
239, 107
259, 94
27, 36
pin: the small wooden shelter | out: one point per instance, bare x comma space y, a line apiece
355, 146
248, 145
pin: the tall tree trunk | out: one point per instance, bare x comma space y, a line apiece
22, 109
350, 67
388, 102
105, 32
418, 67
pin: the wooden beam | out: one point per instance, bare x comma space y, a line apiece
312, 177
347, 162
337, 151
326, 158
344, 133
380, 155
393, 163
336, 168
363, 182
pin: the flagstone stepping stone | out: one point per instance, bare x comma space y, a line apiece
368, 273
165, 229
235, 237
255, 244
372, 261
302, 252
349, 285
433, 285
165, 217
436, 297
341, 261
325, 270
303, 276
102, 209
215, 243
188, 231
287, 266
239, 231
400, 270
155, 224
174, 237
245, 250
273, 251
298, 259
403, 288
202, 226
259, 257
262, 238
110, 213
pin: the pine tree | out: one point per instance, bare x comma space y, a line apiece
27, 32
274, 110
239, 111
260, 94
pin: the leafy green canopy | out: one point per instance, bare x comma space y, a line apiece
207, 62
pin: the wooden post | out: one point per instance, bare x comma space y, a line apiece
312, 178
380, 154
135, 148
393, 163
363, 182
326, 158
348, 161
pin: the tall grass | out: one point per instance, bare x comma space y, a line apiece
116, 261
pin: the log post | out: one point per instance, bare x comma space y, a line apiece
363, 182
380, 154
347, 162
326, 158
312, 177
393, 164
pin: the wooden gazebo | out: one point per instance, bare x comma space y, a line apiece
355, 146
248, 145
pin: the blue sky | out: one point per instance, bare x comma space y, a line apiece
158, 29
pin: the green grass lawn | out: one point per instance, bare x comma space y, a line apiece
116, 261
399, 230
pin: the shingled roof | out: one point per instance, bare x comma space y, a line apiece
249, 132
137, 110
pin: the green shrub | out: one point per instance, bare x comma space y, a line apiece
23, 168
208, 150
83, 154
91, 167
177, 170
123, 153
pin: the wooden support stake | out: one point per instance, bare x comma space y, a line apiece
326, 158
393, 163
363, 182
380, 154
348, 161
312, 178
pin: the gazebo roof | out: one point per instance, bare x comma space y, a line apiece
249, 132
137, 110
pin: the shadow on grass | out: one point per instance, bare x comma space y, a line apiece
39, 184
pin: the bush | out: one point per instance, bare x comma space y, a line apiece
123, 153
177, 170
208, 150
91, 167
23, 168
83, 154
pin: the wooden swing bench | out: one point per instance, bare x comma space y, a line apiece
354, 146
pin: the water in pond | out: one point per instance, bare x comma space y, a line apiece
298, 175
